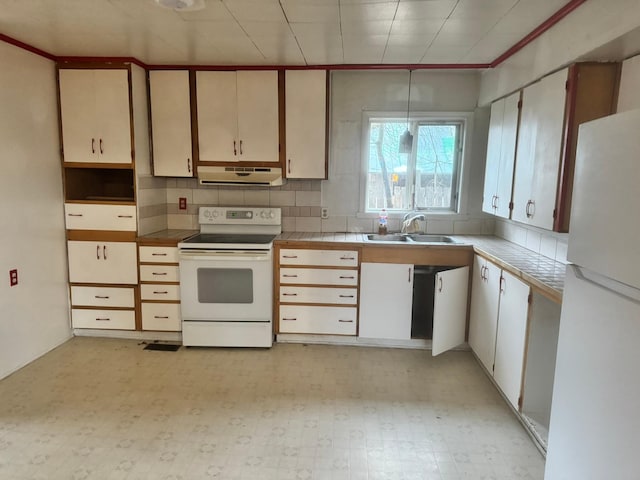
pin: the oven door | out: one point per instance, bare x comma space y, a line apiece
220, 285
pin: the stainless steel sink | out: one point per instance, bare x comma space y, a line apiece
386, 238
422, 238
409, 238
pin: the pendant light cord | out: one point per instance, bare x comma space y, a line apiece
409, 99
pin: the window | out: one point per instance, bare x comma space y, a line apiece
427, 178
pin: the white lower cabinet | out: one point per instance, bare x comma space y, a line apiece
102, 262
387, 303
85, 296
498, 326
386, 292
161, 317
347, 296
318, 291
318, 319
103, 319
160, 288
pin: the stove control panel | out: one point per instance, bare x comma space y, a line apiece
239, 216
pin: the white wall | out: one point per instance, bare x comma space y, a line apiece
34, 315
591, 26
629, 95
352, 93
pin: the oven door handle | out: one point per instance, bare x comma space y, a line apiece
225, 256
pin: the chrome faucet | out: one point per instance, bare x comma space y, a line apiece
410, 222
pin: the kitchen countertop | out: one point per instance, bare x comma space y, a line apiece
543, 273
169, 237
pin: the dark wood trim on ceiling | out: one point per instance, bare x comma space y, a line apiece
526, 40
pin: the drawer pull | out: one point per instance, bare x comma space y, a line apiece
289, 319
290, 256
345, 321
160, 293
290, 294
290, 276
158, 254
347, 277
125, 216
347, 258
103, 319
347, 296
158, 316
159, 273
74, 215
102, 296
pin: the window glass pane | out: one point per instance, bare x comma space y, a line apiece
436, 165
387, 168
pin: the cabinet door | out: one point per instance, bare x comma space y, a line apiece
77, 111
171, 123
113, 114
386, 293
258, 126
306, 123
483, 320
538, 153
511, 336
504, 186
96, 118
102, 262
450, 309
492, 165
217, 116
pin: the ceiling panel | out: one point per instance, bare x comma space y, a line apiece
278, 31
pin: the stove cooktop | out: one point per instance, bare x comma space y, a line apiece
228, 241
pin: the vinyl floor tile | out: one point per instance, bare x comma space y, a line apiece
107, 409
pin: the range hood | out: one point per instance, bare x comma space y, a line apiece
247, 176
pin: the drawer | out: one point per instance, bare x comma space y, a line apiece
103, 319
320, 320
329, 258
158, 254
318, 276
85, 216
102, 297
159, 292
159, 273
340, 296
161, 316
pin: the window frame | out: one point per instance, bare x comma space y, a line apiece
464, 119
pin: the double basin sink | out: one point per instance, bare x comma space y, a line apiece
409, 238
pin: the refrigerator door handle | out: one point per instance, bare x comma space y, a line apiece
620, 293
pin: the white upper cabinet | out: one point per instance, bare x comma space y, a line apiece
501, 153
238, 117
96, 115
539, 148
171, 123
306, 123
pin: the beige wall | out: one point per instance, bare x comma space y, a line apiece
34, 316
582, 34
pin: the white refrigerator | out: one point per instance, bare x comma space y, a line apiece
594, 431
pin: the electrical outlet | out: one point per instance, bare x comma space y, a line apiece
182, 203
324, 213
13, 277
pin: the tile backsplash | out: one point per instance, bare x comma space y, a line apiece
300, 201
550, 244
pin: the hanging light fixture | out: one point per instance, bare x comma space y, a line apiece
406, 139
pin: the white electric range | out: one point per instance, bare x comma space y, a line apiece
226, 278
